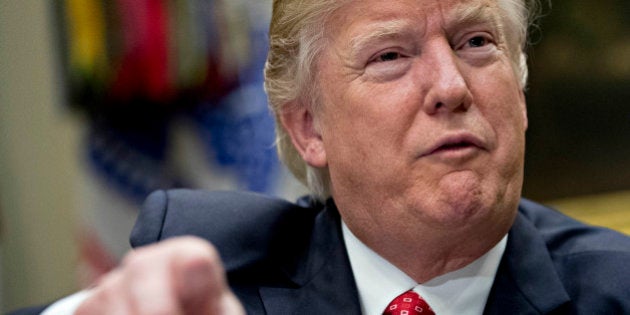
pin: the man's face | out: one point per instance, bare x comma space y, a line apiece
423, 118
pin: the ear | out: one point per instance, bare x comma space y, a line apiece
524, 110
300, 124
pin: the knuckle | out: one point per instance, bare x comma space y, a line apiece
196, 247
135, 260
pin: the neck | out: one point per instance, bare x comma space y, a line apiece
433, 259
424, 253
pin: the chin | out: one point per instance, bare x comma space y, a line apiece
460, 212
461, 205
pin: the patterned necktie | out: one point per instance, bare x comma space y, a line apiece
408, 303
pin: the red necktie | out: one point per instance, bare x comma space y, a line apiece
408, 303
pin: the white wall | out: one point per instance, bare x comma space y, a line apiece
38, 160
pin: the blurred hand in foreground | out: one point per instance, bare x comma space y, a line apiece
178, 276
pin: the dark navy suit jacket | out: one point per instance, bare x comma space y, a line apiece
285, 258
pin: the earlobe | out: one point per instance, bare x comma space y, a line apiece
300, 125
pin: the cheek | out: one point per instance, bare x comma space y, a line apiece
510, 154
502, 102
367, 120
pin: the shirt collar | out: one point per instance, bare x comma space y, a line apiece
463, 291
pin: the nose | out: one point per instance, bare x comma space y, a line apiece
447, 90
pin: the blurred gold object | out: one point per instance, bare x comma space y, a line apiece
86, 28
611, 210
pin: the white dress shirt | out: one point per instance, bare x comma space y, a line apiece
67, 305
462, 292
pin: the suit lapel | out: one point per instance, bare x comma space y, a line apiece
526, 282
322, 277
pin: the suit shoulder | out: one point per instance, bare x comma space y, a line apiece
590, 261
566, 236
245, 227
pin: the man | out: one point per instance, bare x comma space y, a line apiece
407, 121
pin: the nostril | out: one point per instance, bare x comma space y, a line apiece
439, 105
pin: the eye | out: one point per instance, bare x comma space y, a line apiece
388, 64
388, 56
477, 41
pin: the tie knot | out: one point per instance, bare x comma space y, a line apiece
408, 303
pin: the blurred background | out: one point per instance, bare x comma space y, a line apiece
103, 101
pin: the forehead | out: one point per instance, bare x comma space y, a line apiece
359, 15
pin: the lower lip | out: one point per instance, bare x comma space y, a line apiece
455, 153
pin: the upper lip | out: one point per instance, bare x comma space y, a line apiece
462, 138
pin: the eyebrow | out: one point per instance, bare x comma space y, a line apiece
478, 14
384, 30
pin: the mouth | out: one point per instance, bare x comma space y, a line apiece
454, 146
